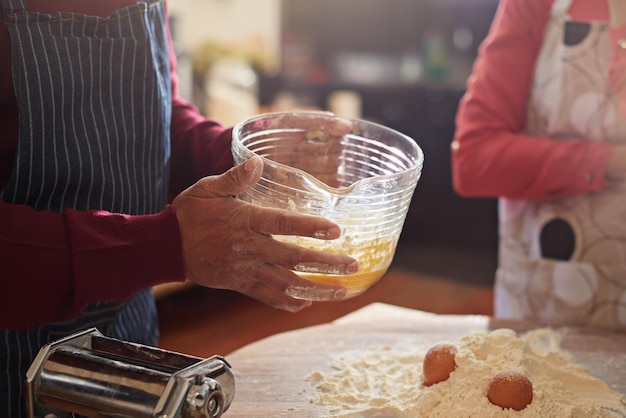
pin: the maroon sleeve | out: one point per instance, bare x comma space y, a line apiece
491, 156
54, 264
200, 147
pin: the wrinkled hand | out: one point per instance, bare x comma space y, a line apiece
228, 244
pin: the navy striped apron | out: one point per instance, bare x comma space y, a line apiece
94, 96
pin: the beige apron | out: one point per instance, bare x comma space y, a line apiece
565, 260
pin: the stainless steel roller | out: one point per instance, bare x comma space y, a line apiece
96, 376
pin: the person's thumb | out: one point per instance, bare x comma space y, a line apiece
233, 182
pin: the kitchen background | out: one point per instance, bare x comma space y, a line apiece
402, 63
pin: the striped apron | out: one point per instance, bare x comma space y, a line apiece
94, 96
565, 260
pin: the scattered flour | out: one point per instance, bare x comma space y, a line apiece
386, 381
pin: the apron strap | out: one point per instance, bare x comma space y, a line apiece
13, 6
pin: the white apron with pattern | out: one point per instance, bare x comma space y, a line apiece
565, 260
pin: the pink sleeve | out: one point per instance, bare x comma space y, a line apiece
491, 156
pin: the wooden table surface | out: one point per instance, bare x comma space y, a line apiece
271, 374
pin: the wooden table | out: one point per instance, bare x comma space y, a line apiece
271, 373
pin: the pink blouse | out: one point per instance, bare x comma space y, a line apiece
491, 156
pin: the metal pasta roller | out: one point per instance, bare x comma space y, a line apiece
95, 376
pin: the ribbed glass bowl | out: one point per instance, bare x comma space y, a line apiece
359, 174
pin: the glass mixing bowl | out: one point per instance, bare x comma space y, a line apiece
359, 174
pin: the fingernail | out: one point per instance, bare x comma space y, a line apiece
313, 293
293, 308
321, 234
328, 233
250, 165
340, 294
352, 267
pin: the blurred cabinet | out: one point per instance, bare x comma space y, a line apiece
437, 214
376, 41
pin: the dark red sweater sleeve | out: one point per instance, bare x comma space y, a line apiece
200, 147
53, 264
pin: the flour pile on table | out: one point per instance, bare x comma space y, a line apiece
386, 381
